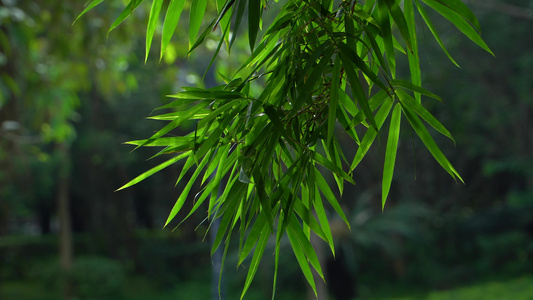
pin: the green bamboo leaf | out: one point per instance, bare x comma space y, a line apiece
359, 11
430, 144
209, 143
305, 214
254, 17
370, 38
216, 156
281, 21
176, 115
225, 26
177, 103
334, 96
176, 122
276, 264
237, 105
185, 192
426, 18
125, 14
172, 18
315, 75
89, 7
275, 117
202, 37
374, 103
225, 19
252, 238
343, 119
390, 153
463, 10
196, 15
371, 134
228, 204
408, 101
258, 253
152, 24
265, 201
357, 89
300, 257
326, 191
238, 19
332, 167
387, 37
209, 95
415, 88
231, 163
459, 22
347, 54
305, 245
350, 32
413, 56
399, 19
164, 141
154, 170
347, 103
324, 222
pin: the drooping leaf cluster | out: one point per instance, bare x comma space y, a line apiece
327, 69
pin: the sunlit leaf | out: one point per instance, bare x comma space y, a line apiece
125, 14
196, 15
172, 18
89, 7
390, 153
152, 23
459, 22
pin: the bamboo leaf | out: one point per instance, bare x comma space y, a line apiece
172, 18
125, 14
300, 257
413, 56
459, 22
390, 153
459, 7
254, 17
326, 191
415, 88
258, 253
196, 15
371, 134
426, 18
304, 244
334, 96
399, 19
238, 20
152, 24
407, 101
185, 192
154, 170
89, 7
430, 144
357, 89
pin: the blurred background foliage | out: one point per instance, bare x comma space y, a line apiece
69, 97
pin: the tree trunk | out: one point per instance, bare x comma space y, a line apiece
65, 228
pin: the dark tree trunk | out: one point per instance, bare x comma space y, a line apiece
66, 252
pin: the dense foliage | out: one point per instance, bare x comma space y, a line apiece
325, 70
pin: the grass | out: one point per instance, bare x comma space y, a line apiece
519, 288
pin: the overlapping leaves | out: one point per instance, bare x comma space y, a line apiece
327, 70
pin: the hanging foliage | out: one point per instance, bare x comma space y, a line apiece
326, 68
